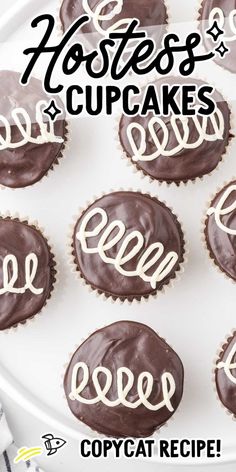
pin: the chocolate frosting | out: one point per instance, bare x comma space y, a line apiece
140, 349
226, 389
27, 164
229, 60
187, 164
222, 246
138, 212
149, 13
20, 239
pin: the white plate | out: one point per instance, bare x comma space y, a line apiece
194, 316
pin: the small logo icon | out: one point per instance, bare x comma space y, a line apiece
24, 454
52, 444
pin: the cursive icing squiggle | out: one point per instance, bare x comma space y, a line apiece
219, 211
228, 365
145, 378
218, 15
98, 16
181, 138
145, 263
22, 120
31, 266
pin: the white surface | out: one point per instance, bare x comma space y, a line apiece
193, 316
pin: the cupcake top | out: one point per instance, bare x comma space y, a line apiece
128, 245
220, 13
220, 230
225, 374
176, 148
113, 14
27, 272
124, 381
30, 143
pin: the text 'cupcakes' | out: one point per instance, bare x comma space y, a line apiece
124, 381
27, 272
128, 245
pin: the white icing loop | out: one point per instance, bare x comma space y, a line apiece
228, 365
216, 120
31, 266
22, 120
219, 211
98, 16
218, 15
145, 262
167, 384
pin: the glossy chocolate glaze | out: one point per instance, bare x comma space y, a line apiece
222, 246
225, 388
20, 239
27, 164
229, 61
187, 164
139, 348
149, 13
138, 212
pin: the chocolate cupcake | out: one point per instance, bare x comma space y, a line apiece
30, 143
27, 271
127, 245
176, 148
124, 381
220, 230
225, 375
220, 14
111, 15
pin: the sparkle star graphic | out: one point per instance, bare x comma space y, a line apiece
52, 110
222, 49
214, 31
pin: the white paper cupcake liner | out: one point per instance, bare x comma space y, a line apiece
54, 268
116, 298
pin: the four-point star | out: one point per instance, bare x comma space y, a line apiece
52, 110
222, 49
214, 31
